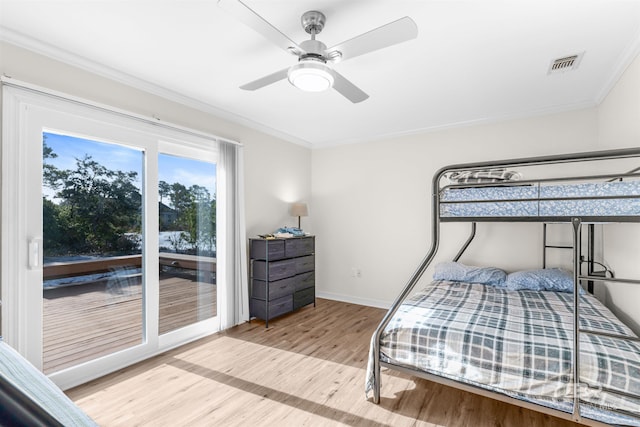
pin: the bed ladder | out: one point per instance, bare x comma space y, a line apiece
591, 264
546, 245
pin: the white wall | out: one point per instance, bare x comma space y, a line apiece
371, 202
372, 206
619, 126
619, 113
276, 172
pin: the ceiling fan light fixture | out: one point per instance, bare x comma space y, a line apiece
311, 76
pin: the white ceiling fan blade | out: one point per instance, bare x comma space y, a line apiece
266, 80
248, 16
392, 33
347, 89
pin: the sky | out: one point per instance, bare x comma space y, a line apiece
171, 169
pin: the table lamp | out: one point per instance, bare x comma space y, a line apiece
299, 209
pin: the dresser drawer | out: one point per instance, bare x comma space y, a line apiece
282, 276
277, 289
305, 263
304, 297
305, 280
267, 249
299, 247
277, 307
276, 270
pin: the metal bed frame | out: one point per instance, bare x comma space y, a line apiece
576, 222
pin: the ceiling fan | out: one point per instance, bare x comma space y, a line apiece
312, 72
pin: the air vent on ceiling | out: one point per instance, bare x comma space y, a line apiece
566, 63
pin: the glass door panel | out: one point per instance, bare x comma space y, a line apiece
92, 239
187, 241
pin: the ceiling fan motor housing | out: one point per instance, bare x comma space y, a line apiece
314, 49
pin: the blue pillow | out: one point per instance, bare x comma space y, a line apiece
456, 272
546, 279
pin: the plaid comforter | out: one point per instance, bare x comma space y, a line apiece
515, 342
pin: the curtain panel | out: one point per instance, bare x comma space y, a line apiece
232, 256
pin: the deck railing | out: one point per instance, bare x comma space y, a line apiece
59, 270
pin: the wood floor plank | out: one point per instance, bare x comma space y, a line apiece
306, 369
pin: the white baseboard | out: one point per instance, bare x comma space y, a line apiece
354, 300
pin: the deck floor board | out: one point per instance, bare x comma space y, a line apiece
84, 322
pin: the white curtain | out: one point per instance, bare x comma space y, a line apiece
233, 288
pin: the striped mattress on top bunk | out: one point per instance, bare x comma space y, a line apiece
512, 199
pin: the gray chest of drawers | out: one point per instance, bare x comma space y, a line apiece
282, 276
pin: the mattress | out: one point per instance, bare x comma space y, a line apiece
518, 343
17, 371
620, 198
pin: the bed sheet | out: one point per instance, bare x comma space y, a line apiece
511, 201
518, 343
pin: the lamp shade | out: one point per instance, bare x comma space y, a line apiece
299, 209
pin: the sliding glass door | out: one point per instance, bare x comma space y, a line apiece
109, 237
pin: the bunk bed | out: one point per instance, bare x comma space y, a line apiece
533, 338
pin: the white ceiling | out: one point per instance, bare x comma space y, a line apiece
473, 61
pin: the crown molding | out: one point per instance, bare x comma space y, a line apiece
69, 58
45, 49
626, 58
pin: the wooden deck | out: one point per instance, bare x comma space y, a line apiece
91, 320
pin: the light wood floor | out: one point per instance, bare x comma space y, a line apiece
306, 369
